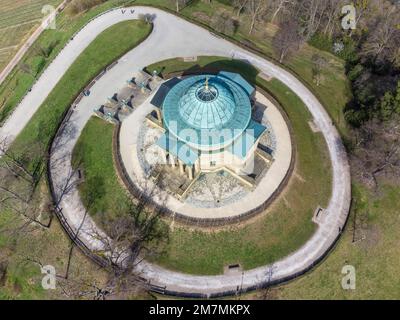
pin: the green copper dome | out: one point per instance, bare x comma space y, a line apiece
206, 102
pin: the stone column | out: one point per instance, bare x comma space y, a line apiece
164, 156
197, 166
172, 160
159, 116
190, 172
181, 168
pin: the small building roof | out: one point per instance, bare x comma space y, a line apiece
257, 129
178, 149
242, 145
162, 92
239, 80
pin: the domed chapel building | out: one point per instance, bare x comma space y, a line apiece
207, 123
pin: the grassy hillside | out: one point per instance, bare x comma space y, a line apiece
95, 158
374, 254
40, 55
18, 19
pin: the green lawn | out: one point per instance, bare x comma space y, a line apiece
334, 81
375, 259
46, 246
286, 226
107, 47
93, 154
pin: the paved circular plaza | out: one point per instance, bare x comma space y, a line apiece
213, 195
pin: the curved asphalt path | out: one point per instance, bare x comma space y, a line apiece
173, 37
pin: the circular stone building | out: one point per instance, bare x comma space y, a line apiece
207, 123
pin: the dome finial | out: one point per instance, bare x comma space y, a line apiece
206, 84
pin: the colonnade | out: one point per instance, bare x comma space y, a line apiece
174, 161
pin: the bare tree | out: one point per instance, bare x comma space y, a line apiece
124, 242
131, 237
319, 63
222, 22
313, 14
377, 151
279, 6
127, 238
255, 8
20, 192
239, 5
287, 39
22, 188
383, 41
76, 285
367, 11
180, 4
331, 16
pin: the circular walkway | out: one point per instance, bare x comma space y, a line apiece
265, 189
173, 37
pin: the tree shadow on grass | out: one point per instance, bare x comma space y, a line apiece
241, 67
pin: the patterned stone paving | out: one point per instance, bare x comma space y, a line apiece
216, 189
149, 154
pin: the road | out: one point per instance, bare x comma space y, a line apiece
172, 37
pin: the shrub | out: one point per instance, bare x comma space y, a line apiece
355, 72
349, 52
223, 23
78, 6
321, 42
226, 2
